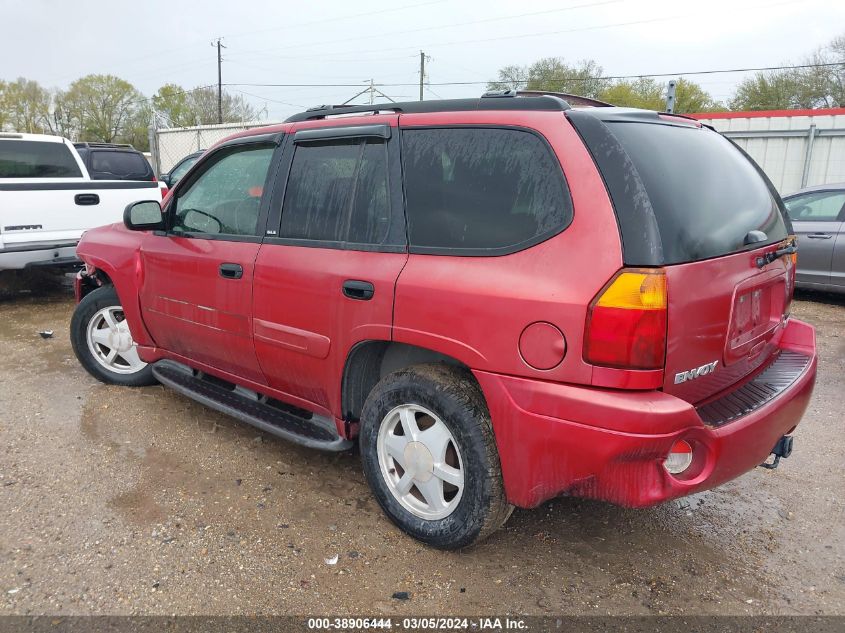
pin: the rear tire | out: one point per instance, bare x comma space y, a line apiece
102, 341
430, 457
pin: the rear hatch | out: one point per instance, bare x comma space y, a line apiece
692, 203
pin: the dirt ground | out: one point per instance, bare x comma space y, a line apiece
122, 501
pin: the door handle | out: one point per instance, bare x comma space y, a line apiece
231, 271
360, 290
819, 236
86, 199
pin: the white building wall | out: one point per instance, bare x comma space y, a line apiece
782, 156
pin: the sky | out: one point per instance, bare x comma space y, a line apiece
334, 42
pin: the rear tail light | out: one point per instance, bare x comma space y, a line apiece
679, 458
164, 191
626, 323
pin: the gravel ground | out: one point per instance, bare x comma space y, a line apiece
139, 501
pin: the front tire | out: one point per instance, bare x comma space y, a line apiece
430, 457
101, 340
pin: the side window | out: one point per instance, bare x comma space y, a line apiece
226, 198
36, 159
824, 206
120, 165
181, 170
481, 188
337, 191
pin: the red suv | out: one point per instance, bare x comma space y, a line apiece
503, 300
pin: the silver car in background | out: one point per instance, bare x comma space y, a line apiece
818, 218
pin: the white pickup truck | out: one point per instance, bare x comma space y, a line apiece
47, 200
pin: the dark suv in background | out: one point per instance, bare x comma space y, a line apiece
110, 161
180, 169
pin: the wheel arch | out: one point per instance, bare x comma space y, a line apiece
92, 278
370, 361
124, 276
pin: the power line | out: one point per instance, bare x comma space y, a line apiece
249, 94
193, 43
440, 26
529, 35
338, 18
174, 93
525, 81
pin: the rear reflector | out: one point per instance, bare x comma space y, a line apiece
679, 458
626, 323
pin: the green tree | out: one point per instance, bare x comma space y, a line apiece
553, 74
3, 107
101, 107
768, 91
835, 53
137, 129
644, 92
26, 106
62, 120
510, 78
691, 97
172, 101
184, 108
820, 84
203, 104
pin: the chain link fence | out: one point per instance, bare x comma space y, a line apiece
172, 145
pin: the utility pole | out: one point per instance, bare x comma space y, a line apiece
422, 73
219, 79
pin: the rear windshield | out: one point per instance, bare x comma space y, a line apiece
36, 159
119, 165
706, 194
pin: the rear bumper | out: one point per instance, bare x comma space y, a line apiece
37, 255
558, 439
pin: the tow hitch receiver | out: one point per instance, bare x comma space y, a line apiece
782, 449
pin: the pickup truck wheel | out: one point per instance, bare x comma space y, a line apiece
101, 340
430, 457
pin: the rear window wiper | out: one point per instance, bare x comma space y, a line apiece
769, 257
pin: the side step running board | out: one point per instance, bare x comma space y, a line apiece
314, 431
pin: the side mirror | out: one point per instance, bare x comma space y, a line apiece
145, 215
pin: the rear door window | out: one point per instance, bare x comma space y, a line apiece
338, 192
819, 206
481, 191
108, 165
37, 159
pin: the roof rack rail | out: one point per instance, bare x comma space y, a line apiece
571, 99
489, 101
108, 145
